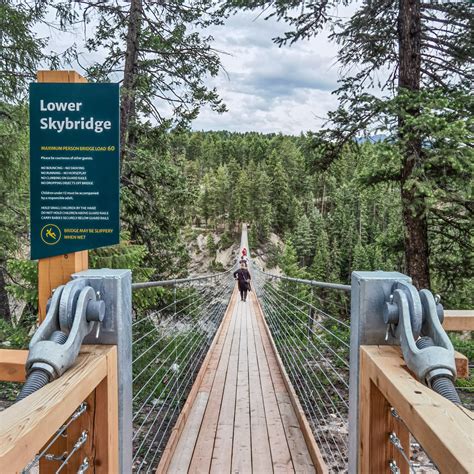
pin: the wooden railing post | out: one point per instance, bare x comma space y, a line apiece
443, 430
458, 320
375, 426
368, 295
26, 426
105, 438
55, 271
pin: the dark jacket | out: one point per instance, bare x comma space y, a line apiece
243, 277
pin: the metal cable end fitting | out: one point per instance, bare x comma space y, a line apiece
394, 469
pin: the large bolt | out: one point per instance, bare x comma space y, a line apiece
95, 311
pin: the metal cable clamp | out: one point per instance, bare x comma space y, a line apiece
72, 312
415, 319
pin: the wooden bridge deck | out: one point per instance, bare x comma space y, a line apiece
242, 418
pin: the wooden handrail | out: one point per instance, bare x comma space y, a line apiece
26, 426
444, 430
12, 365
458, 320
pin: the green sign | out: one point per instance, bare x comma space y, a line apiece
74, 167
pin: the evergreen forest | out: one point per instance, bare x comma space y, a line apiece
383, 181
386, 184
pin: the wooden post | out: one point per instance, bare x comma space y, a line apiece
55, 271
375, 425
25, 426
458, 320
106, 428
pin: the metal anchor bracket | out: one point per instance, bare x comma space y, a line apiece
426, 347
72, 312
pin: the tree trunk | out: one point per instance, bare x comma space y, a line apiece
127, 106
413, 206
4, 303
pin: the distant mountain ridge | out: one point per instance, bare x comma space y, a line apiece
372, 139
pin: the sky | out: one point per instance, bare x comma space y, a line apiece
267, 88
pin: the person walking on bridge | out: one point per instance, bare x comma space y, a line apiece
242, 275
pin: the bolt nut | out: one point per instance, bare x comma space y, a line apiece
390, 313
45, 367
95, 311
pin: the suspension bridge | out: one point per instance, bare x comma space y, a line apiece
302, 377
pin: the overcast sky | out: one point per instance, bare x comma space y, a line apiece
267, 88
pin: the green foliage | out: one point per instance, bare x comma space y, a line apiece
17, 336
226, 240
21, 48
289, 261
216, 267
272, 252
463, 344
154, 204
24, 282
159, 49
9, 391
211, 245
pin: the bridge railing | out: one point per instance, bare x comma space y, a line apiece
310, 326
405, 427
68, 426
169, 348
341, 391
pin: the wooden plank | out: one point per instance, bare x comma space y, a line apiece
59, 76
314, 452
376, 424
55, 271
26, 425
261, 453
222, 452
186, 430
444, 431
241, 448
280, 451
105, 431
296, 442
202, 456
179, 463
462, 365
12, 365
84, 423
379, 446
458, 320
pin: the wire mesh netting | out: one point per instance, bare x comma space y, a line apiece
60, 462
416, 460
169, 346
310, 327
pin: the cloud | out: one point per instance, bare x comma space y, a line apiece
303, 111
267, 88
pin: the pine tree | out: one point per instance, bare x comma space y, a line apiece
303, 241
280, 195
158, 49
222, 193
322, 261
233, 204
421, 50
289, 261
